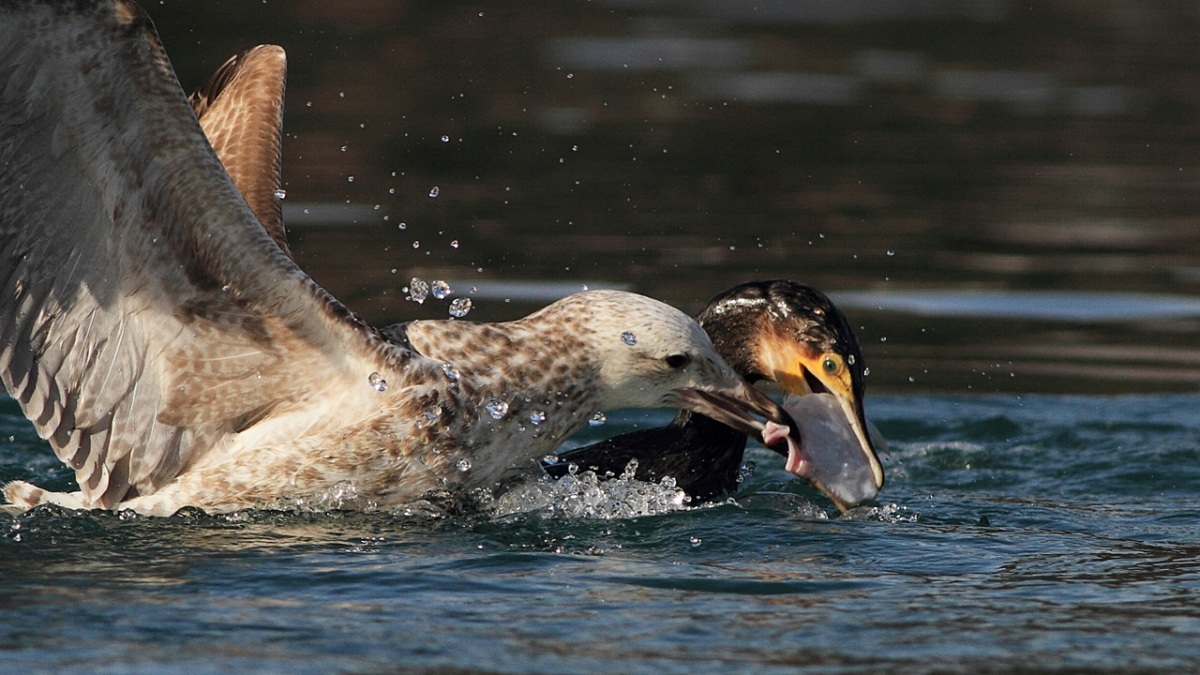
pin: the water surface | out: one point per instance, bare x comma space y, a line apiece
1027, 532
1001, 195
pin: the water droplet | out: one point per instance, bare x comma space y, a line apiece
429, 416
377, 382
550, 459
464, 465
496, 408
434, 192
597, 420
418, 290
537, 417
281, 194
349, 179
417, 244
695, 541
441, 290
746, 470
629, 338
851, 360
454, 244
344, 148
450, 371
891, 253
630, 471
866, 371
445, 138
402, 226
460, 307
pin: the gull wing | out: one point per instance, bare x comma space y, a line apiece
146, 317
240, 108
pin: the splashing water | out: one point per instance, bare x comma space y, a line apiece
418, 290
460, 307
434, 192
537, 417
377, 382
629, 338
584, 495
464, 464
450, 371
597, 420
441, 290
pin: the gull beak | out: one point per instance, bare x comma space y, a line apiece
733, 406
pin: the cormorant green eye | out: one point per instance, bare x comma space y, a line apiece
830, 365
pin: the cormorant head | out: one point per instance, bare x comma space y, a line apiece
793, 335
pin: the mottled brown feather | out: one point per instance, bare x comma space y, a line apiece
240, 108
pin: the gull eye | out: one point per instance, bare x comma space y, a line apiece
678, 360
830, 365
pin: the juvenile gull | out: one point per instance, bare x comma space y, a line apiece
173, 354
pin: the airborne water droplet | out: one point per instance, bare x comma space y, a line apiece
418, 290
597, 420
629, 338
441, 289
460, 307
496, 408
434, 191
537, 417
281, 194
464, 465
454, 244
445, 138
450, 371
377, 382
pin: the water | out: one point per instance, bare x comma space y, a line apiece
1026, 532
1000, 195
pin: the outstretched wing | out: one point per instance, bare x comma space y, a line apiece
240, 108
146, 317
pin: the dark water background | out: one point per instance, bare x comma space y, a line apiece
1001, 196
679, 147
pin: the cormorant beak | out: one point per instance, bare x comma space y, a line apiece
733, 406
830, 444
